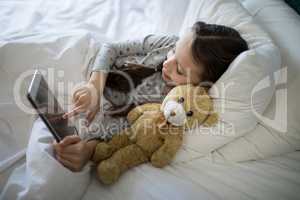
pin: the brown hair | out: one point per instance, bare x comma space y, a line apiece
215, 47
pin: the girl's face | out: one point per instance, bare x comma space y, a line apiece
179, 67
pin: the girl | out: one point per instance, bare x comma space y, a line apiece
202, 55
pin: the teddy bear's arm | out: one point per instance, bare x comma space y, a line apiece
135, 113
164, 155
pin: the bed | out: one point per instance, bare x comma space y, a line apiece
65, 36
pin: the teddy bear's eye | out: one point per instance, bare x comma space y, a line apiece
189, 113
181, 100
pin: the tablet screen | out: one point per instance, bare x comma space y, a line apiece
48, 108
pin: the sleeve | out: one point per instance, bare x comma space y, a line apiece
109, 52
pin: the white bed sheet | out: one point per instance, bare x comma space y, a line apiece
276, 178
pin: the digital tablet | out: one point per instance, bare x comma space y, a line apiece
48, 108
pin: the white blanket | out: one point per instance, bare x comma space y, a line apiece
42, 176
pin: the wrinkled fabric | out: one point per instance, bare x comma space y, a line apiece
141, 61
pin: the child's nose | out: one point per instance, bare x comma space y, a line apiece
165, 64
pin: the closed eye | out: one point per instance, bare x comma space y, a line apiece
179, 71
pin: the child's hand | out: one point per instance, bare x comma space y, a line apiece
85, 99
73, 152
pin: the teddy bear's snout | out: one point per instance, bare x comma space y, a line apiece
174, 113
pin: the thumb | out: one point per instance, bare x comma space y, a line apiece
72, 139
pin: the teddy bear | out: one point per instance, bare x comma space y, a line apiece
155, 133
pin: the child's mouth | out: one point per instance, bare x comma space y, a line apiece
165, 77
168, 80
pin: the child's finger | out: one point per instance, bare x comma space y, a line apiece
66, 163
77, 93
71, 149
80, 103
68, 157
72, 113
57, 147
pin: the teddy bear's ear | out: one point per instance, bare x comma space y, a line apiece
211, 119
201, 90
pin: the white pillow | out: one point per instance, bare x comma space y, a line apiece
235, 106
278, 129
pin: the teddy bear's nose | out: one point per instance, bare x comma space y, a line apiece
172, 114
